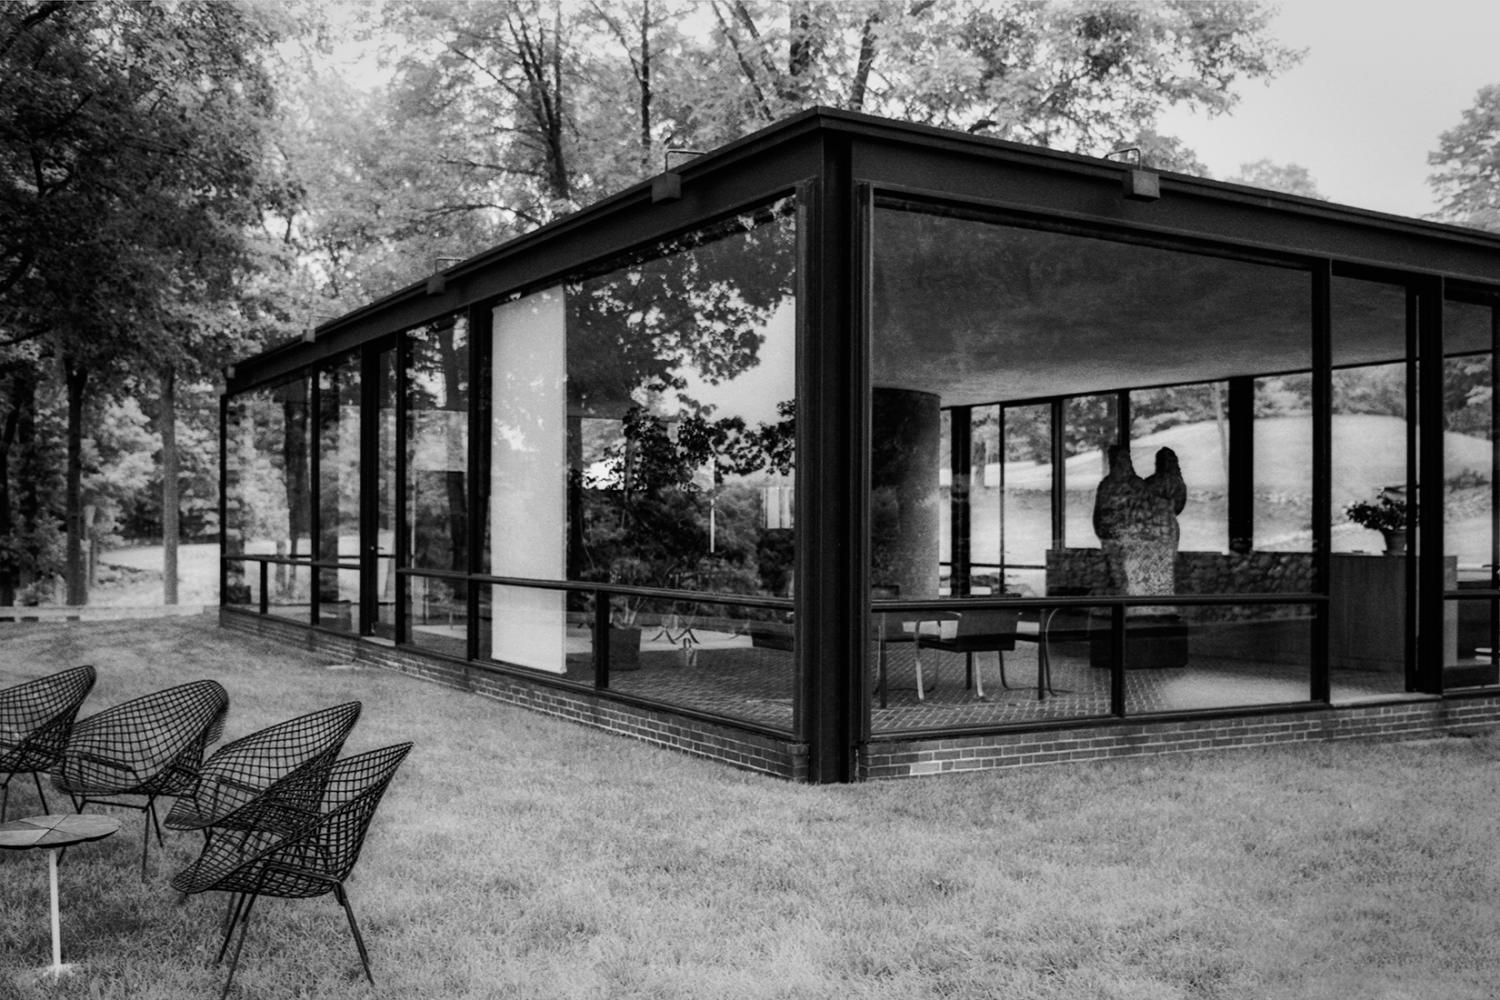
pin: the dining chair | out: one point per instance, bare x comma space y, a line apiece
299, 751
144, 748
36, 718
975, 631
313, 859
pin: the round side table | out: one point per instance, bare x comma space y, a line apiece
53, 833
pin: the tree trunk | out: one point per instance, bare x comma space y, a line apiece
171, 489
74, 568
7, 523
30, 481
645, 80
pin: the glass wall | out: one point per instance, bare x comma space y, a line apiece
1371, 600
642, 437
382, 576
268, 501
437, 491
338, 413
1470, 515
1148, 438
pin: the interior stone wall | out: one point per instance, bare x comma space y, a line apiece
1082, 572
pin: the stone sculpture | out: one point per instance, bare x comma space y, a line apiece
1136, 521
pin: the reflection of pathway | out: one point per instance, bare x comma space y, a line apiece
734, 680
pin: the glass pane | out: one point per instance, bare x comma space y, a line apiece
1282, 463
437, 615
1187, 426
1474, 658
1218, 656
268, 495
387, 442
947, 487
1368, 478
643, 427
437, 446
708, 656
243, 589
984, 501
291, 592
1026, 513
1090, 425
338, 493
939, 670
1057, 327
1469, 513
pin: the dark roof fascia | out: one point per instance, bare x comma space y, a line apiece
870, 126
637, 195
854, 126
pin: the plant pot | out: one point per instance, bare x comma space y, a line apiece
624, 648
1395, 542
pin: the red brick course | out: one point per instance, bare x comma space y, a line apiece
1408, 717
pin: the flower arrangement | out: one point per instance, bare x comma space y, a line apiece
1386, 513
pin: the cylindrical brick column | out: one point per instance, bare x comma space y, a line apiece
904, 462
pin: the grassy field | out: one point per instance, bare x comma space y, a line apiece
518, 856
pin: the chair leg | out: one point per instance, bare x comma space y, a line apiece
359, 942
917, 655
235, 962
232, 919
1000, 659
46, 809
976, 677
4, 798
151, 811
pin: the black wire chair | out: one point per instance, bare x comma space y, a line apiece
147, 748
35, 720
295, 755
312, 860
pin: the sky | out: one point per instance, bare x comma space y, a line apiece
1381, 80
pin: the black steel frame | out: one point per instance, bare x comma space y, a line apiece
837, 164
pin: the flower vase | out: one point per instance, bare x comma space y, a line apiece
1395, 542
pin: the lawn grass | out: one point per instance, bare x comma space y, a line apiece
521, 856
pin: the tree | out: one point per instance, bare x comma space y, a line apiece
1289, 178
1088, 77
129, 159
1467, 181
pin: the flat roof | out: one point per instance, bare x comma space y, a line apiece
716, 182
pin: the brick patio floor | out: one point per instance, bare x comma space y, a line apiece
731, 678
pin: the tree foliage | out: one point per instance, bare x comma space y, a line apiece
1467, 178
1290, 178
129, 175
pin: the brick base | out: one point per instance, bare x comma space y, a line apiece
749, 750
1421, 715
1410, 717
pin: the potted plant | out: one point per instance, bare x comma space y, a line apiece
1387, 514
645, 526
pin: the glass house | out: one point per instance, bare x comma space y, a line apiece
857, 448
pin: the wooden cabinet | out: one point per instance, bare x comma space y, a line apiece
1367, 612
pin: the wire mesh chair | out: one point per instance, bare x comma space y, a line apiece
313, 860
147, 748
295, 755
35, 720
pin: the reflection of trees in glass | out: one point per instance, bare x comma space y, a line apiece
438, 399
1375, 389
1468, 395
695, 304
650, 348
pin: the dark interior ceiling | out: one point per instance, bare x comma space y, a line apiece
977, 312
